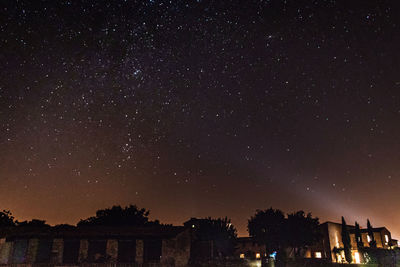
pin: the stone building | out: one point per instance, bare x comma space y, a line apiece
331, 238
247, 248
126, 246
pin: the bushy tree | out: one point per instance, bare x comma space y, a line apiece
278, 233
220, 231
34, 223
301, 231
6, 219
346, 242
267, 228
119, 216
370, 230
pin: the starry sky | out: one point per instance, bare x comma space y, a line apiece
200, 108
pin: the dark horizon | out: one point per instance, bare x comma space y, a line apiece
242, 230
201, 108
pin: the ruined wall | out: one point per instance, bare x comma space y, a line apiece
5, 251
139, 251
33, 245
176, 251
57, 251
112, 250
83, 250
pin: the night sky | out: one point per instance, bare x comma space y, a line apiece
201, 108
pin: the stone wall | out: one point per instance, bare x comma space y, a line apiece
57, 251
5, 251
139, 251
83, 250
112, 250
176, 251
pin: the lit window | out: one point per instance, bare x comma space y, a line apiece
368, 238
357, 257
318, 255
387, 239
258, 255
242, 255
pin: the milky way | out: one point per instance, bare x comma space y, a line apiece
200, 108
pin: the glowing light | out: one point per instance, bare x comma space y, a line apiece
368, 238
318, 255
357, 257
387, 239
242, 255
339, 258
258, 255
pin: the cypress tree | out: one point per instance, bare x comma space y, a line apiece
346, 242
357, 234
372, 242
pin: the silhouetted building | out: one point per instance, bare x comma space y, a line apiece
156, 246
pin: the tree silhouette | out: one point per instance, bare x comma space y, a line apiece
370, 230
357, 234
117, 216
220, 231
346, 242
301, 231
34, 223
6, 219
271, 228
267, 228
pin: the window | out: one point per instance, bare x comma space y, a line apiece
368, 238
258, 255
242, 255
387, 239
318, 255
357, 257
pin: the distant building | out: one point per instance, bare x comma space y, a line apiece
155, 246
248, 248
331, 238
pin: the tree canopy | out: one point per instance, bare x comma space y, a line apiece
6, 219
266, 226
296, 231
221, 231
120, 216
34, 223
301, 231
